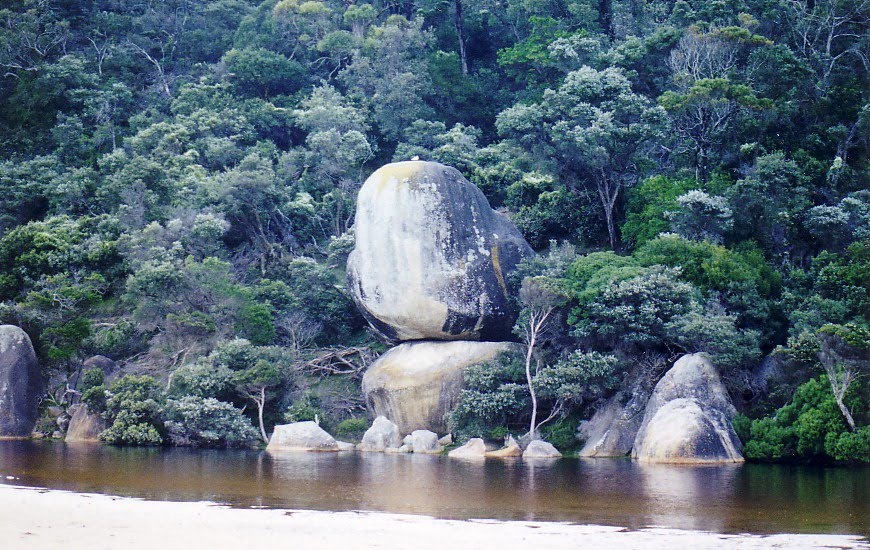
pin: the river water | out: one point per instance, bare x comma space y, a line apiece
729, 499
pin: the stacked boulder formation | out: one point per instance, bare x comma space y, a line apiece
20, 383
429, 272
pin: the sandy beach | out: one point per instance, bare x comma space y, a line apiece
41, 518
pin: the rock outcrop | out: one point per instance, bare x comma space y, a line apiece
99, 362
382, 435
423, 441
541, 449
301, 436
84, 426
688, 417
417, 384
613, 428
474, 448
20, 383
432, 258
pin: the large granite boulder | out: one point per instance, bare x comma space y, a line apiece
688, 417
432, 258
20, 383
301, 436
417, 384
99, 362
84, 426
382, 435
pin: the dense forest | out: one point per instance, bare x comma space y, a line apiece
178, 179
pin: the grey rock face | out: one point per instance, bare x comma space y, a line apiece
417, 384
541, 449
100, 362
20, 383
431, 257
382, 435
688, 417
613, 428
84, 426
475, 448
301, 436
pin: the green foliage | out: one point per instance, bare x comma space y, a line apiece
207, 422
304, 408
134, 412
809, 428
648, 206
352, 428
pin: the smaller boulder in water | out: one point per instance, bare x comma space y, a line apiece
423, 441
382, 435
475, 448
84, 426
301, 436
541, 449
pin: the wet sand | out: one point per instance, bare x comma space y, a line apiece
40, 518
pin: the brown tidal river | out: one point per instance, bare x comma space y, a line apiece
729, 499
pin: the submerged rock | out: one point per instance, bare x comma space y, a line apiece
475, 448
84, 426
417, 384
423, 441
541, 449
301, 436
432, 258
688, 417
382, 435
20, 383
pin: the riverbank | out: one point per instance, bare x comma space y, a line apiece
41, 518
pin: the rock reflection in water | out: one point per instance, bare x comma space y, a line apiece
733, 498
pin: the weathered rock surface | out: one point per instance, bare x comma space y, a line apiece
382, 435
446, 440
84, 426
100, 362
20, 383
541, 449
475, 448
301, 436
417, 384
688, 417
423, 441
432, 258
613, 428
510, 450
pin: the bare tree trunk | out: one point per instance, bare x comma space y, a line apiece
529, 351
261, 404
463, 56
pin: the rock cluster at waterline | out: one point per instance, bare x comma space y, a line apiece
304, 436
20, 383
688, 417
430, 265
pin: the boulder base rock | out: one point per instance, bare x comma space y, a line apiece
475, 448
301, 436
423, 441
613, 428
20, 383
432, 258
99, 362
382, 435
541, 449
508, 451
84, 426
688, 417
417, 384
